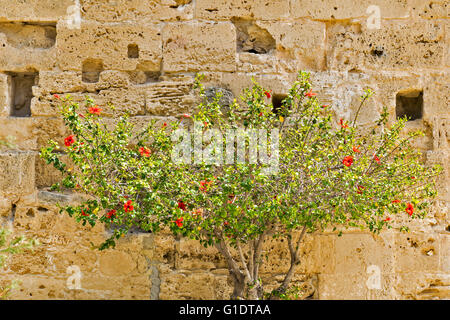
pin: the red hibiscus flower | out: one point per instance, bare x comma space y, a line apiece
57, 96
69, 141
111, 213
325, 106
376, 158
204, 184
387, 219
226, 223
310, 94
95, 110
268, 94
179, 222
410, 209
360, 189
144, 152
356, 149
343, 125
396, 201
181, 205
128, 206
186, 115
413, 177
347, 161
260, 114
84, 213
164, 124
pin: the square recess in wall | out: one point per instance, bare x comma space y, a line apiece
21, 93
91, 70
133, 51
410, 104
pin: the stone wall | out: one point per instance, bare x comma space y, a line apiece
142, 56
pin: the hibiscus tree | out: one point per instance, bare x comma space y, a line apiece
330, 173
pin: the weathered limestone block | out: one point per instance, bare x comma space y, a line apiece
430, 9
141, 10
307, 283
436, 96
124, 100
28, 35
25, 59
388, 84
73, 255
17, 174
423, 286
116, 263
34, 10
24, 47
35, 262
45, 129
28, 218
417, 252
170, 97
32, 133
193, 256
302, 41
223, 287
237, 82
226, 9
131, 101
444, 263
356, 252
338, 9
46, 175
341, 91
51, 82
99, 282
108, 43
355, 286
442, 158
408, 46
5, 95
198, 46
186, 286
316, 255
265, 63
5, 206
160, 248
39, 287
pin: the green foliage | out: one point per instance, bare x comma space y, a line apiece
331, 172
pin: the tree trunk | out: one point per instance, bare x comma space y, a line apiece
239, 286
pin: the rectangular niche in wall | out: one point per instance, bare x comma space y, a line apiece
410, 104
133, 51
21, 93
91, 70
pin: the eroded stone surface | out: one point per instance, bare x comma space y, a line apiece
142, 56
